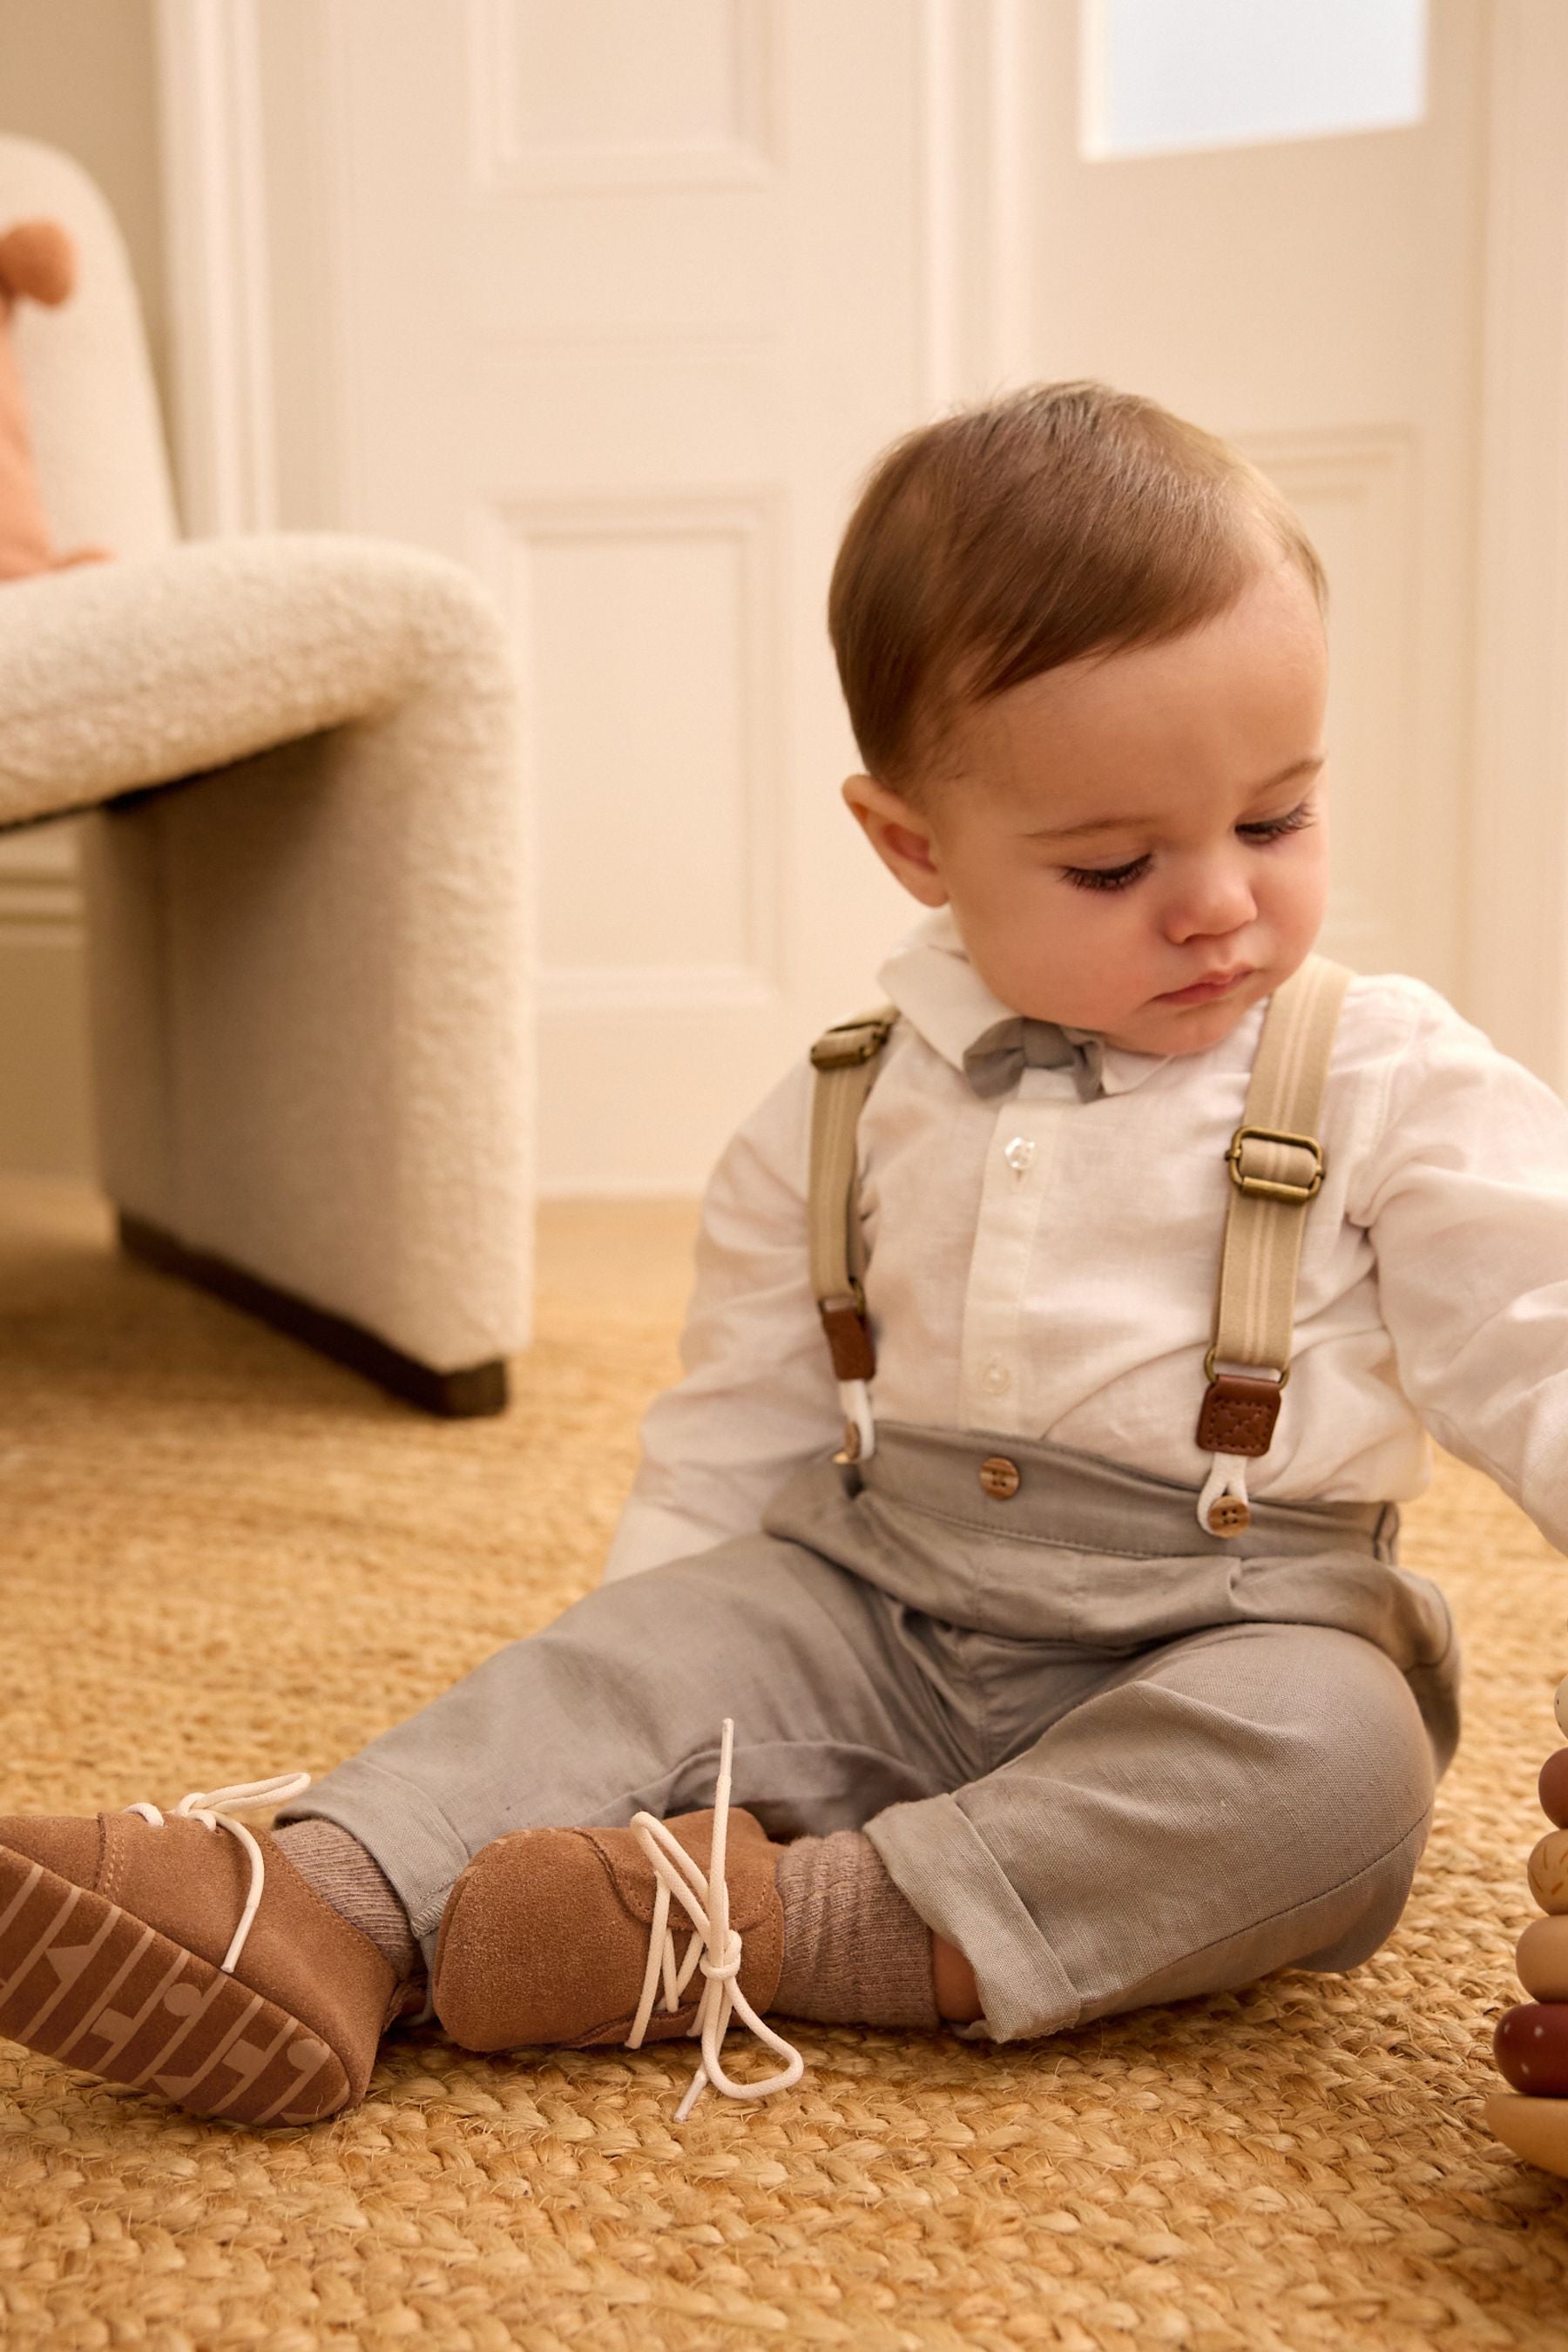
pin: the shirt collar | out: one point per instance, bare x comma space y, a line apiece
930, 977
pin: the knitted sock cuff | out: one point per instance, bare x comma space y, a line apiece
347, 1877
855, 1951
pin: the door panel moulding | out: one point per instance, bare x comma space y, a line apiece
739, 153
507, 535
1369, 473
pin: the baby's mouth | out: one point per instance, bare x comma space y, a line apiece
1216, 984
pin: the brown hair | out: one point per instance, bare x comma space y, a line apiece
1065, 519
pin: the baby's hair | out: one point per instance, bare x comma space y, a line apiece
1065, 519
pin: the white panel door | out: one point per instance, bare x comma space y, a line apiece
623, 298
615, 301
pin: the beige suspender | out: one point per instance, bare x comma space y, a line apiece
846, 1063
1276, 1165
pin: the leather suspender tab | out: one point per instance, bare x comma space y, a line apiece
849, 1341
1239, 1414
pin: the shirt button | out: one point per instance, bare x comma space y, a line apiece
1019, 1154
997, 1380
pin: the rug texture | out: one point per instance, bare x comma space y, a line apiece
222, 1558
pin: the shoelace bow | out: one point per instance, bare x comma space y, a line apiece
204, 1806
715, 1948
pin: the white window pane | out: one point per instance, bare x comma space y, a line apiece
1163, 74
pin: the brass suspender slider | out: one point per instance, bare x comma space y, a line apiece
846, 1047
1270, 1187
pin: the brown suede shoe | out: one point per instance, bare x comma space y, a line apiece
579, 1936
114, 1934
545, 1935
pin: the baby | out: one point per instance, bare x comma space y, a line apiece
1068, 1659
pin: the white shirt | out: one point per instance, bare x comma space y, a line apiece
1042, 1266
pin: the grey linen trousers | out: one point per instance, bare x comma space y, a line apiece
1114, 1760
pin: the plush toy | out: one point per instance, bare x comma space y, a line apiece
1532, 2041
36, 258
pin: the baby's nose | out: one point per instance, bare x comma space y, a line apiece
1213, 898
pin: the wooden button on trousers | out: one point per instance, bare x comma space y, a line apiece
999, 1476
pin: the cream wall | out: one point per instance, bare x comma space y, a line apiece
81, 75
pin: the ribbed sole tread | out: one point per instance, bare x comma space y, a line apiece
85, 1983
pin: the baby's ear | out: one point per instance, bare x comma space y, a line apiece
901, 836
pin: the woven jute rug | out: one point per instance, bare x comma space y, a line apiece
224, 1557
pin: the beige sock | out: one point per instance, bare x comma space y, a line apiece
854, 1952
341, 1870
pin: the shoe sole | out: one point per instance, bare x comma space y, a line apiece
85, 1983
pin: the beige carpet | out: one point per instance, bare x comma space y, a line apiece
222, 1558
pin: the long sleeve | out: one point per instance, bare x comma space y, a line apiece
1465, 1197
758, 1399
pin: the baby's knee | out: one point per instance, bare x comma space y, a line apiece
1374, 1770
1372, 1783
1368, 1907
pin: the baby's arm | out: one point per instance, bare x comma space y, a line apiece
1465, 1198
758, 1400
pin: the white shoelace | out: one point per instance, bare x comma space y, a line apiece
202, 1806
715, 1946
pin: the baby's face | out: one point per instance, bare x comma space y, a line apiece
1115, 830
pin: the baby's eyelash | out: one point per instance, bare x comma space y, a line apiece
1118, 878
1107, 877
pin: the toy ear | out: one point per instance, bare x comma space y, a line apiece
37, 257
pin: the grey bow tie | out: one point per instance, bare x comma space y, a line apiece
998, 1058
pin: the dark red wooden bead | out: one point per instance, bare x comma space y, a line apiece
1553, 1787
1531, 2047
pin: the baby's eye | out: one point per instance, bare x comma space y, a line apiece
1105, 877
1275, 825
1118, 878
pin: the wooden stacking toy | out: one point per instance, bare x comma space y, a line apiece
1532, 2041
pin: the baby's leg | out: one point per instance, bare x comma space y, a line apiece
234, 1973
1254, 1796
616, 1708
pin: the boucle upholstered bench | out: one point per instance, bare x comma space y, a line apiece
304, 874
